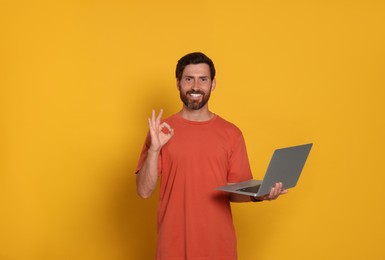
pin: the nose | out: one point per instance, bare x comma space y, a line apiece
195, 85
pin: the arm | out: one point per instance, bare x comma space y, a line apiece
275, 192
147, 176
233, 197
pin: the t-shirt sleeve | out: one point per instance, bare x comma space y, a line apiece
239, 167
143, 155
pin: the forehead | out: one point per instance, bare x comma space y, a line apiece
201, 69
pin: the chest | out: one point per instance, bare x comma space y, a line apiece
199, 143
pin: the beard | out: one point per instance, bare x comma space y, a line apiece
194, 104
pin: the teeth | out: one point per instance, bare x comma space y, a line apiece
196, 95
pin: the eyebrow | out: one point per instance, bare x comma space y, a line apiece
200, 77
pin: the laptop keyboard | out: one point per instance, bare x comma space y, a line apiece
252, 189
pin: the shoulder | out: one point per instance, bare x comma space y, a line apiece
225, 123
228, 126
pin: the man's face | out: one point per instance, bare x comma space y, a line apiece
195, 85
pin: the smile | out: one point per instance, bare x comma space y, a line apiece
195, 95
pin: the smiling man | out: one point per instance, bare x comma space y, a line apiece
193, 152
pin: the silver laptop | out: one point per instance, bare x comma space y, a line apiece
285, 166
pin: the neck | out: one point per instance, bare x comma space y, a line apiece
202, 114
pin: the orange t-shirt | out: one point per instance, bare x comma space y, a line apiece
194, 219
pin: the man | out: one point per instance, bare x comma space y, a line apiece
193, 152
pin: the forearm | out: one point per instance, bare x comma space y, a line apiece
233, 197
147, 177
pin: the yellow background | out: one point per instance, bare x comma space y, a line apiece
79, 78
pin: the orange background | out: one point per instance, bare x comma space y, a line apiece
79, 78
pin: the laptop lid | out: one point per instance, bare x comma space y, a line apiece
285, 166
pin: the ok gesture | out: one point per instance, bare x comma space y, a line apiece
159, 136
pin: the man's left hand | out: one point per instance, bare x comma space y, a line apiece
275, 192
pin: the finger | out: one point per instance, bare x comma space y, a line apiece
272, 193
283, 190
151, 118
152, 129
151, 121
169, 132
277, 190
159, 116
165, 125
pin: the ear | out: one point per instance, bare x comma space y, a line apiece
178, 84
213, 84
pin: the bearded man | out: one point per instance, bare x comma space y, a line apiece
192, 152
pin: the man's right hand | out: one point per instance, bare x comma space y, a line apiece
159, 137
147, 176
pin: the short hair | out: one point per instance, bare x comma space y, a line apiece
194, 58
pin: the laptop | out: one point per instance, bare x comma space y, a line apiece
285, 166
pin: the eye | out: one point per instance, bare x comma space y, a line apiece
188, 80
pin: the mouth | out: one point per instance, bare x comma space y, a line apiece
195, 95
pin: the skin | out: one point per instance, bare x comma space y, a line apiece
195, 78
